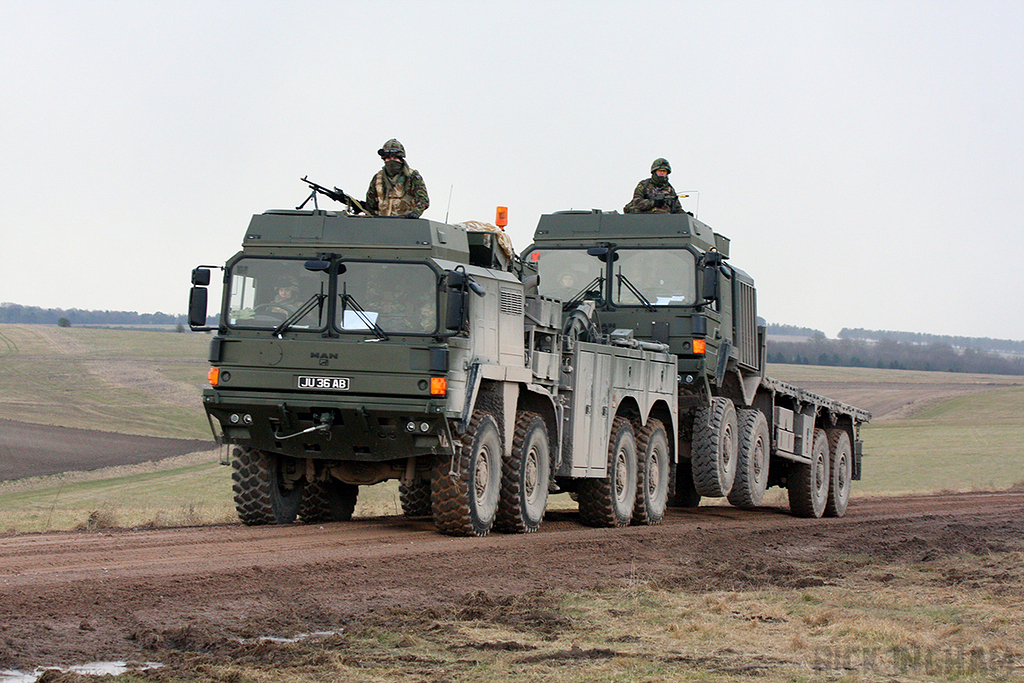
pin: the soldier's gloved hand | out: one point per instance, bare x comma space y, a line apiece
659, 200
411, 214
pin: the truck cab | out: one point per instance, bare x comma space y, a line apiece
665, 277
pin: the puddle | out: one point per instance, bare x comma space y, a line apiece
116, 668
279, 639
91, 669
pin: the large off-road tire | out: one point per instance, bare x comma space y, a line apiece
714, 448
525, 477
328, 501
681, 492
415, 498
751, 459
652, 473
464, 493
841, 472
808, 482
258, 485
609, 501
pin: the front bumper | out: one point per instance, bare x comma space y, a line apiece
355, 428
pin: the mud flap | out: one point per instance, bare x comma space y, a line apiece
858, 451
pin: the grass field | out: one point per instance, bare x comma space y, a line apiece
930, 431
131, 382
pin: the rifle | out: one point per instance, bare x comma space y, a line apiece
336, 194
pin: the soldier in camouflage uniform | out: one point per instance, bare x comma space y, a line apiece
396, 190
655, 194
287, 300
402, 307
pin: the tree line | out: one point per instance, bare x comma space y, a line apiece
919, 338
34, 315
893, 355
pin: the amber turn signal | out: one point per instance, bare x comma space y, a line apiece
438, 386
213, 377
699, 346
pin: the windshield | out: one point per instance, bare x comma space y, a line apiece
567, 273
397, 298
659, 277
265, 292
641, 277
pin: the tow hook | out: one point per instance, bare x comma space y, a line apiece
325, 419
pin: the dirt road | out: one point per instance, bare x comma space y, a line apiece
67, 598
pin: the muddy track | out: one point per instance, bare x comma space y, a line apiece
72, 597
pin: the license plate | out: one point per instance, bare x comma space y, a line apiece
324, 383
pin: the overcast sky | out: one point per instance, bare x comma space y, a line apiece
865, 158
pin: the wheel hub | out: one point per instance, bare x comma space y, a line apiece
531, 475
621, 475
480, 477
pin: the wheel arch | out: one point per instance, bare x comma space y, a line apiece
539, 401
629, 408
661, 411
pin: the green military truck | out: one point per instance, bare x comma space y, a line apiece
351, 350
664, 278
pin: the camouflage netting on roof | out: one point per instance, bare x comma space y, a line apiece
504, 240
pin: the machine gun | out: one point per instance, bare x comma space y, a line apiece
336, 194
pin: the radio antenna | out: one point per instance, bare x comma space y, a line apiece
687, 193
449, 209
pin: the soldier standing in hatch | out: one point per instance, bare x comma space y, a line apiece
655, 194
396, 190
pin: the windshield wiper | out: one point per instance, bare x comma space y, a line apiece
623, 280
315, 300
348, 300
596, 284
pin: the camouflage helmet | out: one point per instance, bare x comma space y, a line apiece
392, 148
660, 163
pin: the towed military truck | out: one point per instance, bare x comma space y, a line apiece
351, 350
665, 278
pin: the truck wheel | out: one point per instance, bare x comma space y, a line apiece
714, 448
841, 468
681, 492
415, 498
464, 498
525, 476
328, 501
258, 485
609, 501
808, 482
752, 460
651, 474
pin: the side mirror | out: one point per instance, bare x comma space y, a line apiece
712, 263
201, 276
710, 288
197, 305
456, 310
